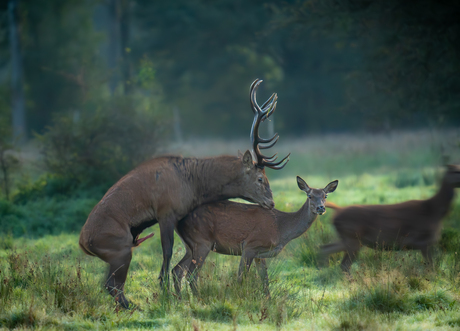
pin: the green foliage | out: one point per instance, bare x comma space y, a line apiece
101, 145
43, 216
450, 240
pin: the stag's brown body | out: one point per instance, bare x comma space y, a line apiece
249, 231
414, 224
164, 190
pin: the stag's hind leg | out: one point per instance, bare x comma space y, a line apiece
115, 284
116, 251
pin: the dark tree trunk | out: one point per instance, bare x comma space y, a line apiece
125, 49
113, 51
18, 103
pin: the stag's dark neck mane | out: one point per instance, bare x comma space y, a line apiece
208, 176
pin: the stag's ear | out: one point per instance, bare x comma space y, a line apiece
331, 186
240, 154
247, 160
302, 185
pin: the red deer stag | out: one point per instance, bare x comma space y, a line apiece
164, 190
245, 230
414, 224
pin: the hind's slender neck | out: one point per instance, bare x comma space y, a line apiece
293, 225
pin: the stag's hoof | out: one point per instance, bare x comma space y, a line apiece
123, 302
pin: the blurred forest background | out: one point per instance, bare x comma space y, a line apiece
98, 86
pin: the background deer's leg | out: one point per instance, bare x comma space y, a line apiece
118, 270
198, 257
427, 254
326, 250
167, 242
352, 248
180, 268
261, 266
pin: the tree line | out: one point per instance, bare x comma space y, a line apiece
337, 65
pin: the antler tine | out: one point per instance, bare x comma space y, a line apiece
261, 114
277, 166
268, 108
272, 158
254, 86
270, 141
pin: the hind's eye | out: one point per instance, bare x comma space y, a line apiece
325, 196
260, 179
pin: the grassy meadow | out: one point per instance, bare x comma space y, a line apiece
47, 283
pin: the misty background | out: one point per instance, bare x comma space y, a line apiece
89, 89
337, 66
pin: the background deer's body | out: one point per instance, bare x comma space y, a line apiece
414, 224
233, 228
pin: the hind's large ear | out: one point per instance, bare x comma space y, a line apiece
247, 160
303, 185
240, 154
331, 186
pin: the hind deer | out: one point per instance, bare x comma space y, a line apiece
414, 224
249, 231
164, 190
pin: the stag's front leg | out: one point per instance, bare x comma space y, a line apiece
167, 243
261, 266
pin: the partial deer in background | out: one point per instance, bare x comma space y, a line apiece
414, 224
164, 190
250, 231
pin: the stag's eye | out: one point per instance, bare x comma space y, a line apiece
325, 196
260, 179
309, 196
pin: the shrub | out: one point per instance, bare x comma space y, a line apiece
102, 143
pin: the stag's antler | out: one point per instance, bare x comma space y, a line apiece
260, 115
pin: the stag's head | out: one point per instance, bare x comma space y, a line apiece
317, 196
254, 184
452, 175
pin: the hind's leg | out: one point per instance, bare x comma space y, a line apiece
261, 266
180, 268
199, 256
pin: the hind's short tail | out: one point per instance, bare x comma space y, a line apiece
332, 205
